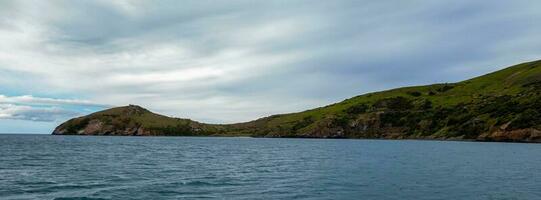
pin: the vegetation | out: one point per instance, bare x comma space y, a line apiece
505, 102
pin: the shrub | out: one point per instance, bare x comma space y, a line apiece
445, 88
414, 93
393, 118
527, 119
179, 129
340, 121
394, 103
76, 125
303, 123
357, 109
423, 104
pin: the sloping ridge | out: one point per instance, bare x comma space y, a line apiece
500, 106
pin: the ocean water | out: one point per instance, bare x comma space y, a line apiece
86, 167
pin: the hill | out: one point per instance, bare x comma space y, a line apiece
133, 120
500, 106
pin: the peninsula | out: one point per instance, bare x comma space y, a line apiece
500, 106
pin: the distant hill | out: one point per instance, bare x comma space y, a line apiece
500, 106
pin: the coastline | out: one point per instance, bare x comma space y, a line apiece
312, 138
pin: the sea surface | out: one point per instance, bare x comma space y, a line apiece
88, 167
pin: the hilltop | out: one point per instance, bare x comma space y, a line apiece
500, 106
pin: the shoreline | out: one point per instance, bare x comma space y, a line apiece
314, 138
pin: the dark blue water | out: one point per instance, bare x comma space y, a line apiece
73, 167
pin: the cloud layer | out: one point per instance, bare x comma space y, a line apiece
29, 99
236, 61
30, 108
46, 114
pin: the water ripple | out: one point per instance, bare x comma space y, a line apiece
72, 167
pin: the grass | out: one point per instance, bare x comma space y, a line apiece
509, 81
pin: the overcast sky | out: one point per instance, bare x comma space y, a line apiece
233, 61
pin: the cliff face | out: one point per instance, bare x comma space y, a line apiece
501, 106
99, 127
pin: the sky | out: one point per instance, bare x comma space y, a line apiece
234, 61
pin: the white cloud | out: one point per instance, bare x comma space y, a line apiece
29, 99
45, 114
40, 109
236, 61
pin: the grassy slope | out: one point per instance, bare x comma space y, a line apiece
510, 81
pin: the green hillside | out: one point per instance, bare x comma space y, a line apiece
500, 106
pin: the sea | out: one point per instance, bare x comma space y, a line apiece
106, 167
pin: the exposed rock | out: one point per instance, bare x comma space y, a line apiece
520, 135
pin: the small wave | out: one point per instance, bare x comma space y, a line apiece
78, 198
73, 187
204, 183
31, 183
56, 188
196, 183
